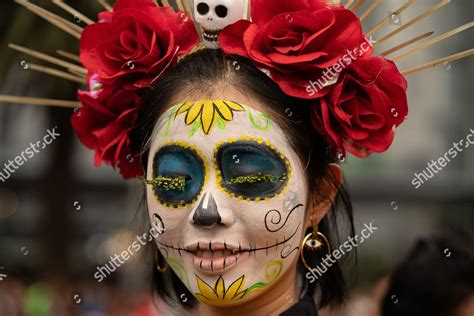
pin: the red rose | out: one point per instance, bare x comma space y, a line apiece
362, 110
103, 124
135, 43
295, 41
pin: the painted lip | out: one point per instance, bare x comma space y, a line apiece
214, 257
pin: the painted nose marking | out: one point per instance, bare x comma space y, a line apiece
207, 213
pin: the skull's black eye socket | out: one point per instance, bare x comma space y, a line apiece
202, 8
221, 11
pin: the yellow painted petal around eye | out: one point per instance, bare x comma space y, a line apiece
224, 110
220, 288
234, 288
206, 290
234, 106
208, 117
194, 112
183, 108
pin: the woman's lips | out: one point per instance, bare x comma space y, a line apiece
215, 261
214, 257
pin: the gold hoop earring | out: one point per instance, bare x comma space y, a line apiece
160, 269
314, 241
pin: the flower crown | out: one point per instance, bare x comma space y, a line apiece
313, 49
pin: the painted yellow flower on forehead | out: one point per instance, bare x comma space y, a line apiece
206, 114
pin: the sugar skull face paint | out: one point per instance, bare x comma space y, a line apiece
231, 192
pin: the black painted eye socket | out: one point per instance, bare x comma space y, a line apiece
178, 175
221, 11
251, 170
202, 8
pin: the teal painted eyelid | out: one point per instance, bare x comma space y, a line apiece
182, 173
251, 169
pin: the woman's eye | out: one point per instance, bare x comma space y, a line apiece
178, 175
258, 178
251, 170
169, 183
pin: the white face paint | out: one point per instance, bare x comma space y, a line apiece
214, 15
231, 194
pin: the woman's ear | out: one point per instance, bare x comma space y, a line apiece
328, 189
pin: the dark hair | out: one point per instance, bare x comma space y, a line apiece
203, 73
435, 278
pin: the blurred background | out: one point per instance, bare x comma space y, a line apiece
60, 217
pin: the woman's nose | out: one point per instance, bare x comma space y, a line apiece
207, 213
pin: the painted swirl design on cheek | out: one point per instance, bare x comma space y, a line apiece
274, 222
158, 225
273, 219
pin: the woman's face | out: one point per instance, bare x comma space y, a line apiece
230, 193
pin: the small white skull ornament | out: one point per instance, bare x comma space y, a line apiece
214, 15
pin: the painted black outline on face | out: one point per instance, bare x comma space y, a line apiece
158, 224
251, 249
195, 154
260, 146
274, 218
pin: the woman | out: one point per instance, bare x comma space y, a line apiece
256, 178
238, 146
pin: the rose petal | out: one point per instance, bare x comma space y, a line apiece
231, 38
264, 10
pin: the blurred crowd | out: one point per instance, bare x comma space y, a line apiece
57, 298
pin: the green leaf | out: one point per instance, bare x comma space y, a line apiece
220, 123
196, 126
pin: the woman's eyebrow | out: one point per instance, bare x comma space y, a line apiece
246, 141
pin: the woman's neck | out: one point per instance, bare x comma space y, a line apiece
274, 301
